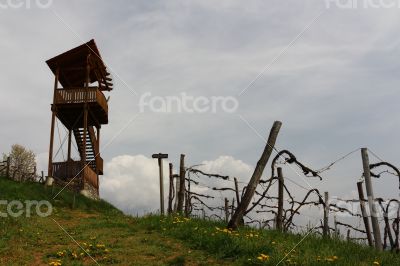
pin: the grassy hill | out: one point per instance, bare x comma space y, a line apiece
96, 233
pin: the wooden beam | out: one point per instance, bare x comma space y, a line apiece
181, 194
53, 120
364, 212
371, 200
255, 179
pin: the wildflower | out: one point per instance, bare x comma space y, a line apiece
263, 257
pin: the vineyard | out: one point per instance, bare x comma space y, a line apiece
269, 203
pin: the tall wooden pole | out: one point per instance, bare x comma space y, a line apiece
371, 200
364, 212
279, 215
255, 179
326, 215
181, 194
171, 188
160, 163
69, 144
226, 210
177, 186
160, 158
237, 190
53, 121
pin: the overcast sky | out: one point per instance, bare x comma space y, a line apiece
329, 74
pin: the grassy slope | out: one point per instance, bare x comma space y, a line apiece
112, 238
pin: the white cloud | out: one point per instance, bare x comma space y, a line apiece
131, 182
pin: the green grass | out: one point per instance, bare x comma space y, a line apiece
245, 246
112, 238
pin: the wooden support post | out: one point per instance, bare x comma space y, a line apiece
53, 121
69, 144
177, 186
8, 167
371, 200
279, 215
171, 188
160, 158
326, 215
226, 210
255, 179
237, 191
364, 212
181, 193
98, 157
348, 235
336, 226
232, 207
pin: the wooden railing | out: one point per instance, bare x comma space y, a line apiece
78, 95
68, 170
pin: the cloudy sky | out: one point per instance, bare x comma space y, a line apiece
329, 74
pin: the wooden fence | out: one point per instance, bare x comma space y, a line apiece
280, 211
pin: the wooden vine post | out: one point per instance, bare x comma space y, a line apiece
326, 215
364, 212
160, 158
171, 188
226, 210
279, 215
237, 190
255, 179
371, 200
177, 186
181, 193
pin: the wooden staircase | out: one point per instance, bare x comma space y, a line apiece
92, 151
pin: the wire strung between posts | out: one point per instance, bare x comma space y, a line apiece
328, 167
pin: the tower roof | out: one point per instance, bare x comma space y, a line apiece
72, 65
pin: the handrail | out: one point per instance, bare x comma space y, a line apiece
78, 95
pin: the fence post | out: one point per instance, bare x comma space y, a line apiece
171, 188
237, 191
371, 199
181, 194
8, 167
177, 186
337, 234
233, 206
226, 210
326, 215
364, 212
160, 158
279, 215
255, 179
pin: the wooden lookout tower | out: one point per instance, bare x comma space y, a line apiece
80, 105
